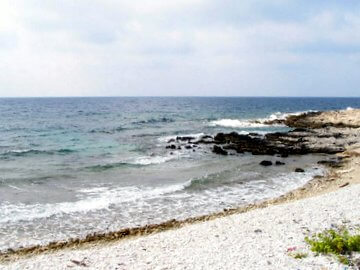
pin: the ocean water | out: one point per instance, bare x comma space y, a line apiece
74, 166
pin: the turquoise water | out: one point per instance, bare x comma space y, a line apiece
72, 166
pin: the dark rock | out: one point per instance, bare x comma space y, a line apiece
185, 138
218, 150
179, 147
299, 170
188, 147
279, 163
298, 142
171, 141
344, 185
206, 137
173, 146
266, 163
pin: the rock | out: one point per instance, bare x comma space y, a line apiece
344, 185
206, 137
266, 163
185, 138
179, 147
299, 170
173, 146
300, 141
171, 141
188, 147
331, 163
279, 163
218, 150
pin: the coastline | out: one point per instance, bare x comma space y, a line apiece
336, 179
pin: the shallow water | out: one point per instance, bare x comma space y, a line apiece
72, 166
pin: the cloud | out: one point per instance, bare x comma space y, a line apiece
179, 47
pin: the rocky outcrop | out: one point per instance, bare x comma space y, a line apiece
218, 150
314, 132
314, 120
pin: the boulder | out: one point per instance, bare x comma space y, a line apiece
185, 138
266, 163
218, 150
299, 170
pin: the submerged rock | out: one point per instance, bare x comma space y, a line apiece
279, 163
299, 170
266, 163
185, 138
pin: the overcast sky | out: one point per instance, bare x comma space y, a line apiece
179, 47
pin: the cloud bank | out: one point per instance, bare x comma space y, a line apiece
179, 47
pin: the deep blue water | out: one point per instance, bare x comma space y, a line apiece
71, 166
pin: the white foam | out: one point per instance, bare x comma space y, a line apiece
91, 199
19, 151
235, 123
349, 109
148, 160
255, 123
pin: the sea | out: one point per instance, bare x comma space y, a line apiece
70, 167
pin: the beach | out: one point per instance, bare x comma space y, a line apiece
264, 235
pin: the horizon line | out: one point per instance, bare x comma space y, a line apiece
14, 97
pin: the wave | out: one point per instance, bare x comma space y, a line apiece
90, 199
256, 123
154, 121
149, 160
108, 131
108, 166
135, 162
104, 198
25, 152
234, 123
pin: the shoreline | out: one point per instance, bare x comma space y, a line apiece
335, 179
317, 186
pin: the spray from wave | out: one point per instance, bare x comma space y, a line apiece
273, 120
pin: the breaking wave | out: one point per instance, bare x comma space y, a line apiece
255, 123
25, 152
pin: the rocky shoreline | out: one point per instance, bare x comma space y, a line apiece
307, 136
337, 139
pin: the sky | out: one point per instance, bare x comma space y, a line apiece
179, 48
